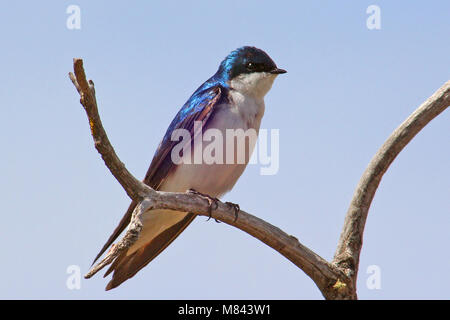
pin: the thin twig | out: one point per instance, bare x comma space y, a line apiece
128, 239
133, 187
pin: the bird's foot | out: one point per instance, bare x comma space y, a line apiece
211, 201
236, 209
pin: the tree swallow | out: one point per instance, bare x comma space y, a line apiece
233, 98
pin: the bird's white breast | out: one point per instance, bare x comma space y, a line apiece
244, 112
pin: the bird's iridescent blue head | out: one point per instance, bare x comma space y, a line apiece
246, 60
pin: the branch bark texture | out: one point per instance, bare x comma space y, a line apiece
335, 279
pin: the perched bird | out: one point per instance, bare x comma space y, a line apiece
233, 98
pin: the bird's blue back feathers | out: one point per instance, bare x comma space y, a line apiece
201, 96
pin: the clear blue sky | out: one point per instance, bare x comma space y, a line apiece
346, 89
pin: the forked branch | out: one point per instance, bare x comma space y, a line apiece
336, 280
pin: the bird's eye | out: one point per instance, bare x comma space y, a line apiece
250, 66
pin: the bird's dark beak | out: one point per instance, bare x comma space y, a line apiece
278, 71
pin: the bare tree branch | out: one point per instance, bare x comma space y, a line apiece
350, 242
134, 188
322, 272
335, 280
